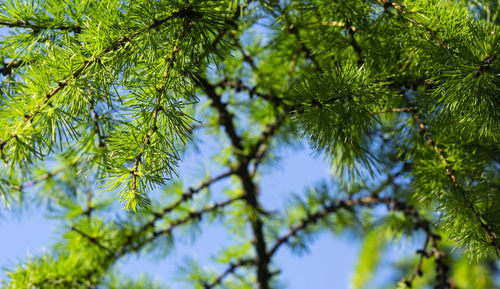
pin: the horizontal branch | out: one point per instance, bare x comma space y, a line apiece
401, 109
26, 24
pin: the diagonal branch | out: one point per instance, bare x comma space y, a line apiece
188, 195
194, 215
92, 239
258, 151
228, 271
225, 117
393, 205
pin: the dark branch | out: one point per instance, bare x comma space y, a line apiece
92, 239
37, 27
188, 195
249, 187
192, 216
392, 204
225, 117
9, 66
230, 270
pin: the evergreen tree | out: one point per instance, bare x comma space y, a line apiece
103, 98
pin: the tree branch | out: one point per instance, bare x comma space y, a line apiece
230, 270
92, 239
225, 117
26, 24
392, 204
7, 67
226, 120
188, 195
174, 224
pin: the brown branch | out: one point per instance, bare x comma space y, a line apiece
417, 271
95, 119
259, 149
225, 117
239, 86
48, 175
26, 24
7, 67
31, 183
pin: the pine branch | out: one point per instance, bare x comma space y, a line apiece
402, 109
295, 31
225, 117
95, 120
354, 43
132, 244
441, 268
239, 86
450, 172
91, 60
45, 177
401, 8
259, 149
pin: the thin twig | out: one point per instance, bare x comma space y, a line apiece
92, 239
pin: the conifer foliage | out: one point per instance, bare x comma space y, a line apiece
102, 100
